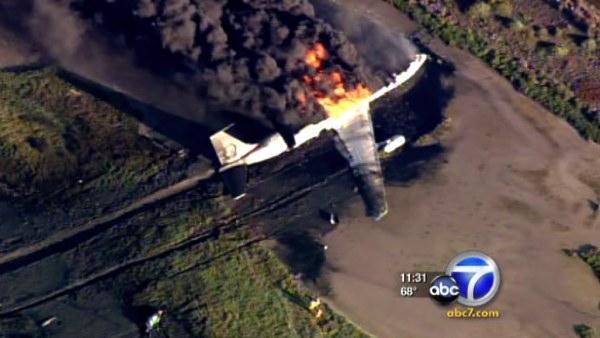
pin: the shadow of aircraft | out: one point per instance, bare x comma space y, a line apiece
25, 68
185, 133
413, 163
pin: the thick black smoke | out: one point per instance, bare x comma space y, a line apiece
78, 46
211, 61
383, 51
241, 57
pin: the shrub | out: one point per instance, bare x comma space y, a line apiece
545, 48
543, 34
557, 32
530, 35
590, 46
585, 331
518, 25
480, 10
534, 84
504, 9
560, 51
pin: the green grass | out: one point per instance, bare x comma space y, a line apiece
218, 287
223, 286
248, 293
52, 135
181, 225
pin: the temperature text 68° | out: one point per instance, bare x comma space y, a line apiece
408, 291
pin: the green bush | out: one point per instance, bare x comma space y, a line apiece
480, 10
530, 34
504, 9
590, 46
557, 33
543, 34
560, 51
585, 331
517, 25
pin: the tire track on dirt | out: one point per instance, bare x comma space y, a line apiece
226, 225
69, 238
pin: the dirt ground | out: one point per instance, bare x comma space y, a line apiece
511, 186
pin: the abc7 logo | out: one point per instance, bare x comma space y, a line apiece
472, 279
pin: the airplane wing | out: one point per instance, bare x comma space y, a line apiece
355, 140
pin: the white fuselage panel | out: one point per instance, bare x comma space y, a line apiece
275, 145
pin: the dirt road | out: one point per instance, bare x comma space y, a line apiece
512, 187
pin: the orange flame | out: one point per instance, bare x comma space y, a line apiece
315, 56
340, 100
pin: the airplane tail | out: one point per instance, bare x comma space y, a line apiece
230, 151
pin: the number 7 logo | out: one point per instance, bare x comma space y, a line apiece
477, 275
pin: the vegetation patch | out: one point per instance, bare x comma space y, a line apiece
228, 286
591, 255
584, 331
246, 294
53, 136
537, 56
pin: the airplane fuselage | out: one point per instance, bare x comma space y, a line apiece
275, 145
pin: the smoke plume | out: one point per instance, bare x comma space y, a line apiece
211, 61
382, 51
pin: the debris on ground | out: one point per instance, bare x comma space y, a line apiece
153, 323
315, 307
49, 321
333, 218
314, 304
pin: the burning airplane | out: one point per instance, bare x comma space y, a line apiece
214, 62
348, 115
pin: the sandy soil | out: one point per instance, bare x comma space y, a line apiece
510, 186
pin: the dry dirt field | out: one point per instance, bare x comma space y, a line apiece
511, 185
